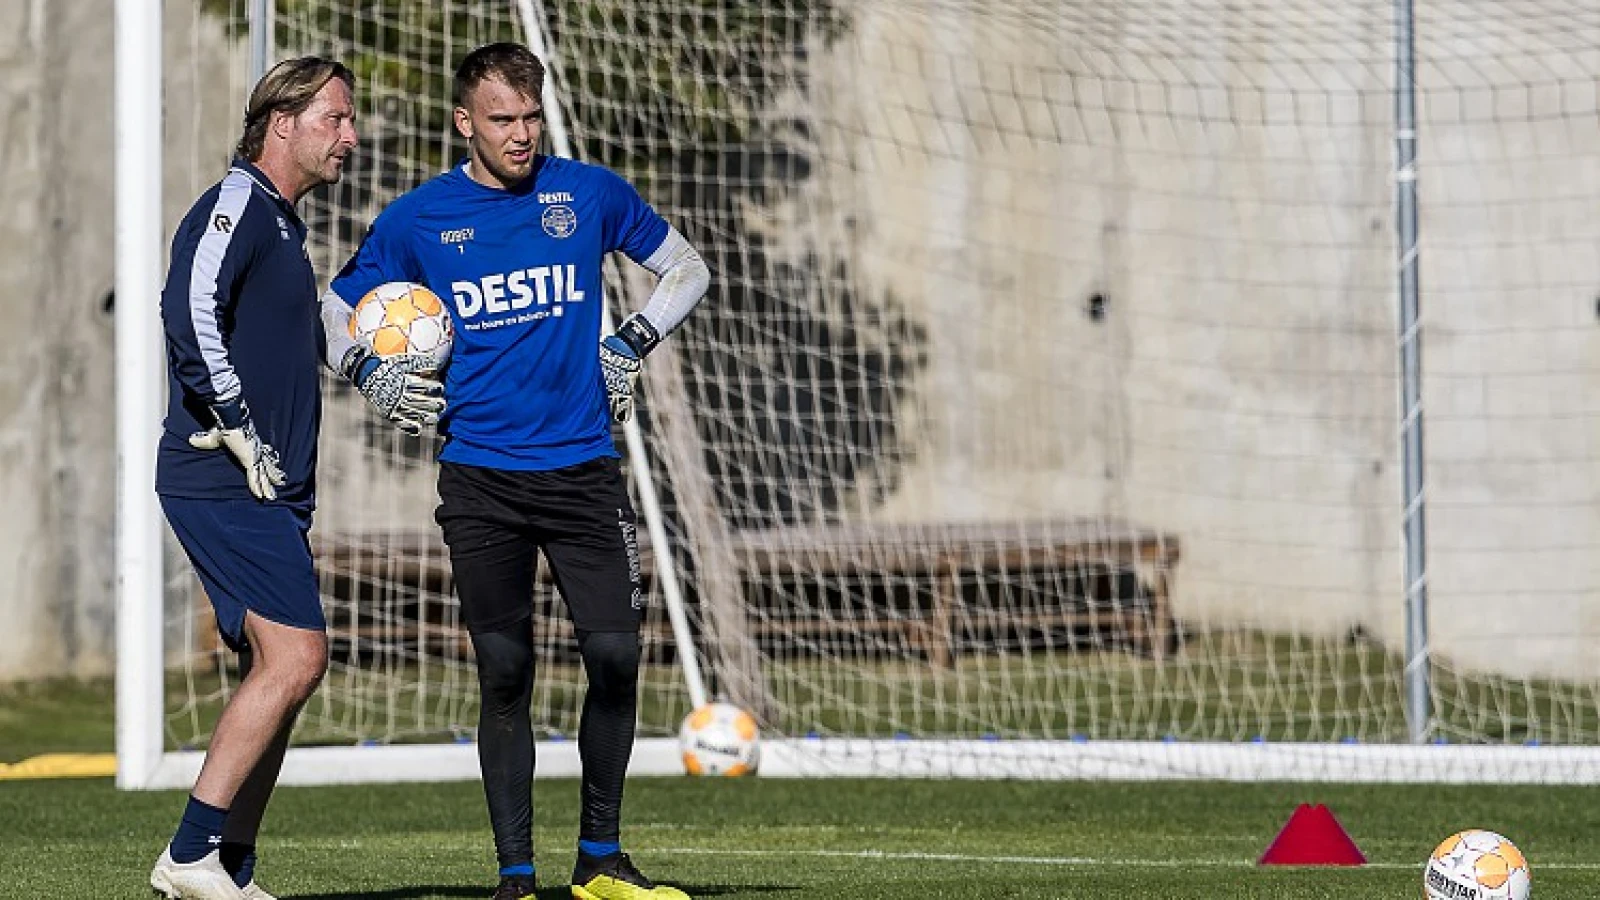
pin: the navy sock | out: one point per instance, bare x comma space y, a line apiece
599, 848
240, 861
200, 831
525, 870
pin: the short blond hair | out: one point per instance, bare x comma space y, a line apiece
288, 87
511, 63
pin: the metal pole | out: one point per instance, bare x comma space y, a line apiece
1416, 561
260, 41
139, 388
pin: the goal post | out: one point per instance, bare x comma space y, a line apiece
139, 391
1046, 417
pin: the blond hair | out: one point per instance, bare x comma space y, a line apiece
511, 63
288, 87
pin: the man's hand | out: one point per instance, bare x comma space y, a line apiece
620, 365
391, 384
621, 356
237, 434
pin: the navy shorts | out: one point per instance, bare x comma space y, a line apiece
250, 556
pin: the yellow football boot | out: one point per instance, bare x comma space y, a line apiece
615, 878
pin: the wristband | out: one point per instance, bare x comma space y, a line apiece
638, 333
230, 414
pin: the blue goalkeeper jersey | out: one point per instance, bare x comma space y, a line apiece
519, 270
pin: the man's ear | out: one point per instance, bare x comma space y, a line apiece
282, 124
463, 122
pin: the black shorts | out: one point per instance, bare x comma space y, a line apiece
495, 520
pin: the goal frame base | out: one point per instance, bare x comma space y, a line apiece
994, 759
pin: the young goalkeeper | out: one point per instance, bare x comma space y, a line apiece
515, 241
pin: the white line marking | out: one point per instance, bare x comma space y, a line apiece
914, 856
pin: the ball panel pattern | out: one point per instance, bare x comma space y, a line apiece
719, 739
1476, 865
402, 317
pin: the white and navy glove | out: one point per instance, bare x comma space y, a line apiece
393, 386
621, 356
234, 431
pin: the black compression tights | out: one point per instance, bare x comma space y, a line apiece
505, 733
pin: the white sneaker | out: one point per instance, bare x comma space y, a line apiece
203, 879
253, 891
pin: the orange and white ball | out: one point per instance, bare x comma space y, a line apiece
720, 739
403, 318
1476, 865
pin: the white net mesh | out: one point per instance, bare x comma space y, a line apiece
1012, 302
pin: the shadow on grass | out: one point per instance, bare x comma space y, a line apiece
558, 892
418, 892
705, 890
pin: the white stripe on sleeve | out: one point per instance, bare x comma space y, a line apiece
221, 226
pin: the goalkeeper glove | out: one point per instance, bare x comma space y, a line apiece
393, 386
620, 360
237, 434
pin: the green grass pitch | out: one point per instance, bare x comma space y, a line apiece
779, 838
785, 838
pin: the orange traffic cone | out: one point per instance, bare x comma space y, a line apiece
1312, 837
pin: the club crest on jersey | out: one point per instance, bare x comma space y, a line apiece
559, 221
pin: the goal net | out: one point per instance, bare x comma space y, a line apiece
1043, 416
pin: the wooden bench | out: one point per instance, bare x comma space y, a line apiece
949, 556
949, 561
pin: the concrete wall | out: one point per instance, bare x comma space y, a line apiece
55, 386
1231, 202
56, 398
39, 622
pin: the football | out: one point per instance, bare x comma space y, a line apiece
402, 317
1476, 865
720, 739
